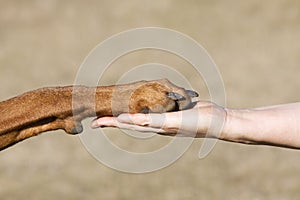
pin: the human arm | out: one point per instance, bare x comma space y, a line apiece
277, 125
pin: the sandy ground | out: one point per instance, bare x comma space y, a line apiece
254, 43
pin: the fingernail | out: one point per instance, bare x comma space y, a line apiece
94, 124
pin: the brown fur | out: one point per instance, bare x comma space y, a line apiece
64, 108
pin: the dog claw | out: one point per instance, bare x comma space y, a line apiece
192, 93
145, 110
175, 96
76, 129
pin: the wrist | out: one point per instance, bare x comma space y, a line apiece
237, 127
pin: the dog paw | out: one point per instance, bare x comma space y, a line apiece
160, 96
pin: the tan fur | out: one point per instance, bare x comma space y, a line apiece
64, 108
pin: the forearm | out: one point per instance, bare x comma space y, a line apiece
276, 125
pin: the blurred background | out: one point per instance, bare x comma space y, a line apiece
254, 43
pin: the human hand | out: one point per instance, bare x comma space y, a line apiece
205, 119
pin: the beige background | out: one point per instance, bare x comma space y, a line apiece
254, 43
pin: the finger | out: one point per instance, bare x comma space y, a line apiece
175, 96
104, 122
140, 128
112, 122
160, 131
138, 119
155, 120
192, 93
165, 132
201, 104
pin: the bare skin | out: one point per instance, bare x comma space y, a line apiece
277, 125
64, 108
